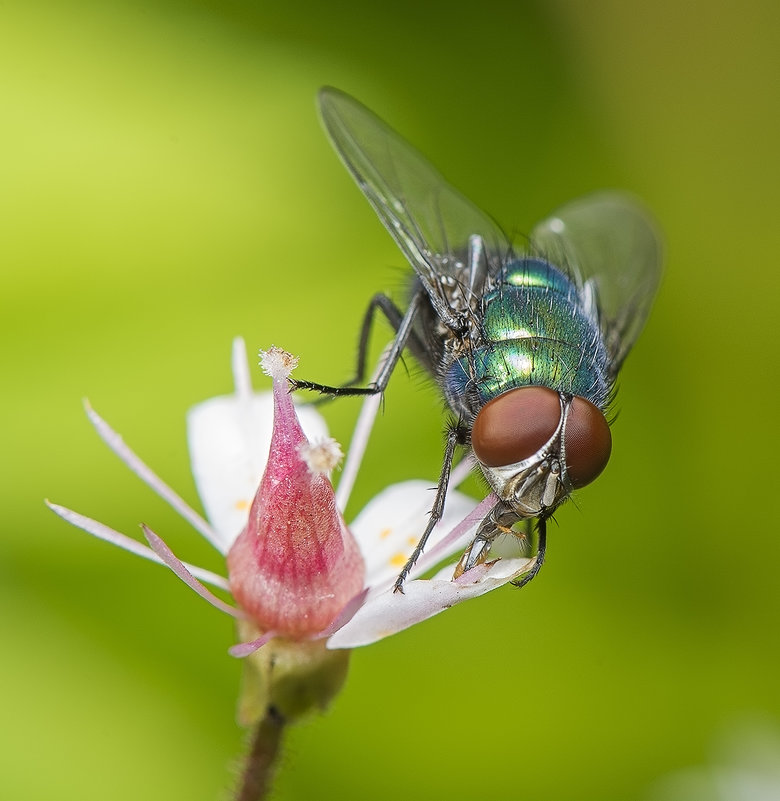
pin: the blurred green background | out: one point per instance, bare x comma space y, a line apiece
165, 185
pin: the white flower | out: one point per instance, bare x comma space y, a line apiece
229, 439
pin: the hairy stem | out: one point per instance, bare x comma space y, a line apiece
255, 781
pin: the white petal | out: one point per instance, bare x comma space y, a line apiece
229, 438
389, 612
146, 474
390, 526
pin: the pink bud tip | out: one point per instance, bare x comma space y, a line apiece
295, 565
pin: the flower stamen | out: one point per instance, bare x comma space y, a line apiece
321, 457
277, 363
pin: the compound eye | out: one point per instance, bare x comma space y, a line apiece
587, 442
515, 425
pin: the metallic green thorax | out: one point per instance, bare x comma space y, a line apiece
537, 330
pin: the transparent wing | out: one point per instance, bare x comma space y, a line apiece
430, 221
611, 247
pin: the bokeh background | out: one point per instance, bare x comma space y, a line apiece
165, 186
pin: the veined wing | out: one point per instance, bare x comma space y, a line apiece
611, 247
430, 221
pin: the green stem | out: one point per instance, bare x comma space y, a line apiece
255, 780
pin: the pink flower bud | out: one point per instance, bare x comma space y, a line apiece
295, 565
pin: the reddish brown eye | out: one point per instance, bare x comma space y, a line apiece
587, 442
513, 426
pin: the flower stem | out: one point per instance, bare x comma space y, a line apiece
255, 780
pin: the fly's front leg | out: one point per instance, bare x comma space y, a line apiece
456, 435
403, 325
498, 521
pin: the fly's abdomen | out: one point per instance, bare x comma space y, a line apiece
536, 331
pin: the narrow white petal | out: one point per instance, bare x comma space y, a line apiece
242, 381
147, 475
462, 470
360, 437
389, 612
180, 569
357, 448
229, 438
103, 532
390, 526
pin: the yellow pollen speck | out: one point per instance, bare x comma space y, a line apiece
385, 533
242, 505
398, 560
412, 541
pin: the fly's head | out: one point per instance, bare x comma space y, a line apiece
535, 446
